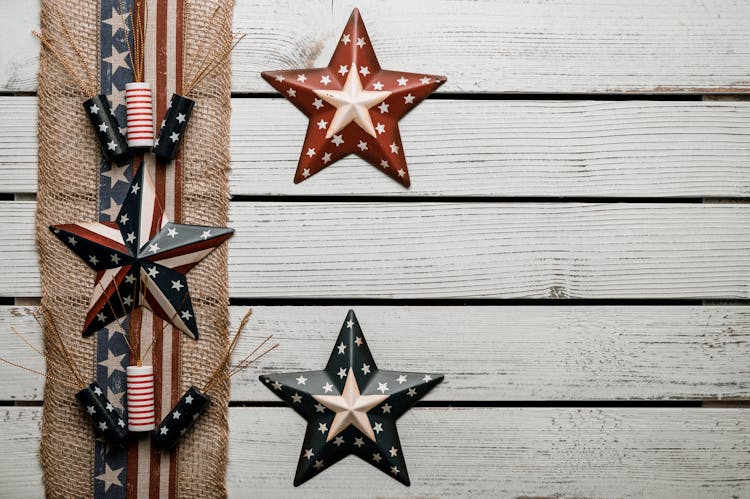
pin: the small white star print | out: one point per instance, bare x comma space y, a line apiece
322, 124
174, 137
319, 408
186, 315
206, 234
338, 140
292, 92
152, 272
310, 152
380, 128
121, 423
383, 108
301, 380
90, 410
341, 348
325, 80
412, 392
387, 408
409, 98
135, 189
309, 454
279, 78
401, 173
318, 465
427, 378
305, 172
322, 427
276, 385
131, 237
127, 301
101, 317
401, 379
358, 341
382, 387
376, 458
93, 260
425, 81
153, 247
327, 158
402, 82
346, 39
115, 259
328, 387
301, 78
359, 442
342, 373
394, 470
130, 279
124, 218
172, 232
393, 451
377, 85
176, 415
394, 148
338, 441
350, 323
189, 399
163, 430
362, 145
318, 103
102, 426
109, 407
97, 390
365, 368
296, 398
343, 70
103, 127
112, 145
180, 118
364, 70
94, 109
361, 42
177, 285
72, 241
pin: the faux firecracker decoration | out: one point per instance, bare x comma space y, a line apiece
105, 418
97, 108
140, 386
180, 108
141, 259
351, 407
354, 106
139, 105
195, 400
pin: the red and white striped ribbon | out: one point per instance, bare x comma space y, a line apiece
141, 414
140, 110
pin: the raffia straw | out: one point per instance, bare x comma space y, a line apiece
138, 31
246, 363
211, 66
45, 375
28, 343
65, 64
206, 40
230, 349
60, 344
81, 60
126, 337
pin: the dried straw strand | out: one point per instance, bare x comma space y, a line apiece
228, 355
45, 375
65, 64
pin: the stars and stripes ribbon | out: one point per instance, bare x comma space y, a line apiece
139, 471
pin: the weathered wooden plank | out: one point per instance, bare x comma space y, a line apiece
517, 148
459, 250
486, 46
476, 452
486, 353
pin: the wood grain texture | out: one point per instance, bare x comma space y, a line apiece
536, 353
478, 452
478, 149
570, 46
459, 250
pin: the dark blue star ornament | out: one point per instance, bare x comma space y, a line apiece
141, 259
351, 407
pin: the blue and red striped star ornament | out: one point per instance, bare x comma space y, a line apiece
141, 259
351, 407
354, 106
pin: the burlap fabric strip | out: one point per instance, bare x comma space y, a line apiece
68, 191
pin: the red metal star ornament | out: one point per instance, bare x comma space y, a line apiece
354, 106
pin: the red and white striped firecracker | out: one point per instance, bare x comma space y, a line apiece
140, 380
140, 110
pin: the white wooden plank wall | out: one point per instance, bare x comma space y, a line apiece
511, 199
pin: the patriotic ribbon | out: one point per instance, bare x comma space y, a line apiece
139, 471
